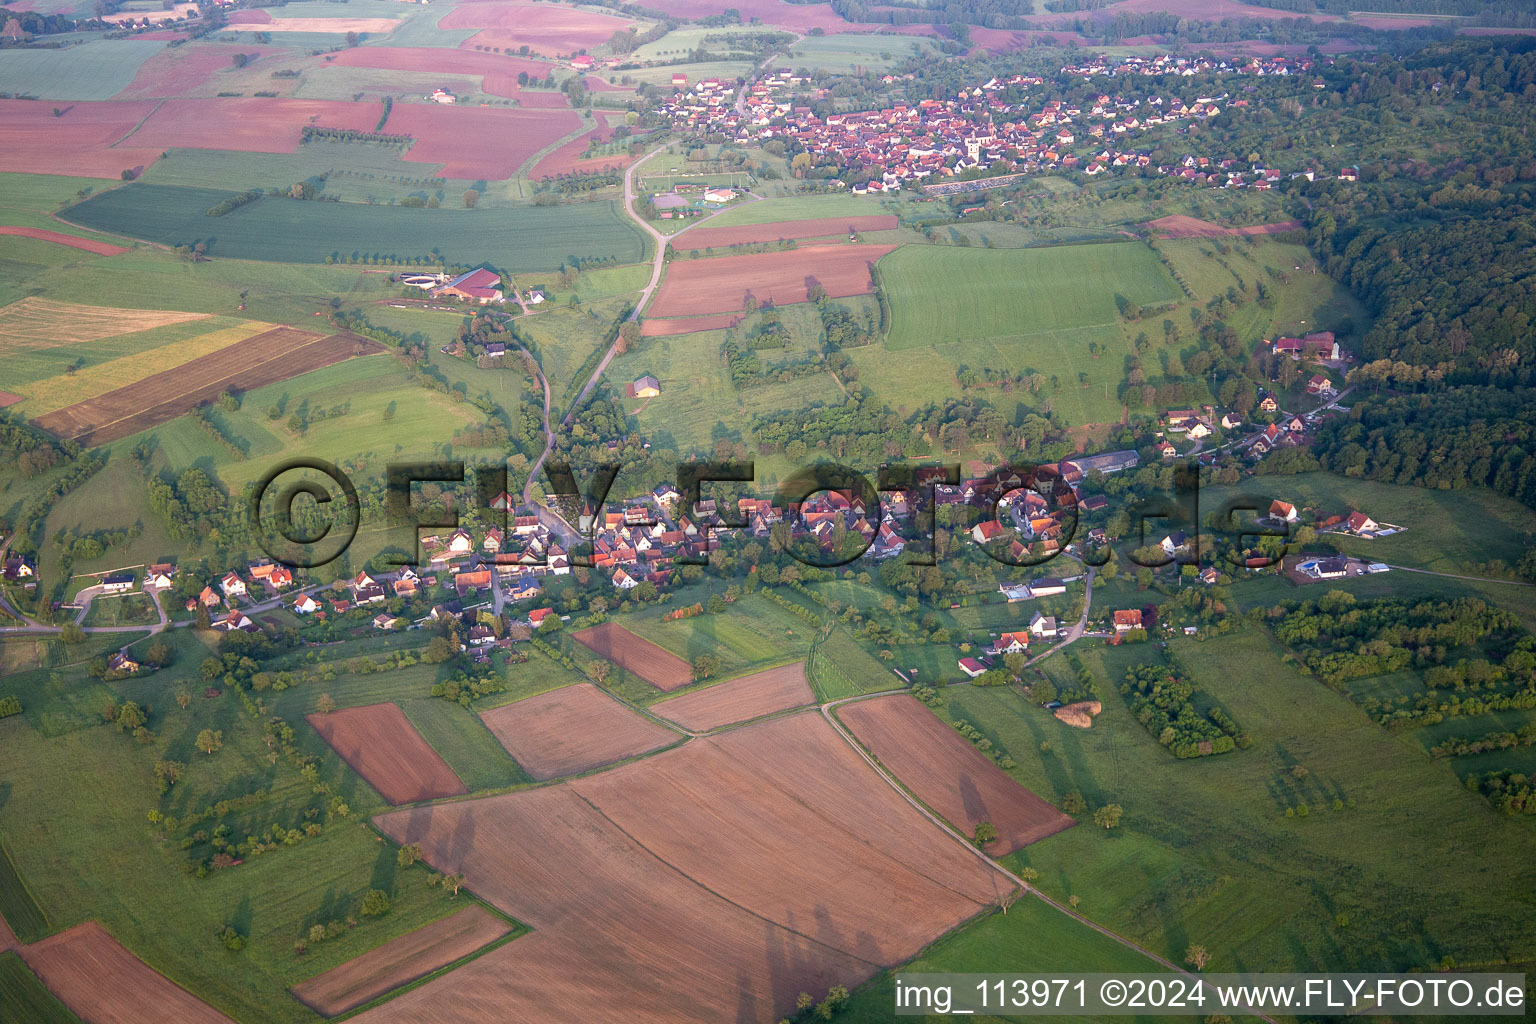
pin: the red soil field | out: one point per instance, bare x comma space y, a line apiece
400, 961
267, 358
826, 874
7, 937
32, 140
257, 17
738, 700
547, 29
96, 977
478, 142
950, 775
572, 730
721, 284
568, 158
6, 398
1180, 226
382, 746
74, 241
687, 325
252, 125
656, 665
1209, 10
825, 227
498, 73
186, 70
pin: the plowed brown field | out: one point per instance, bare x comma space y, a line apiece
382, 746
572, 730
478, 142
78, 142
652, 328
762, 863
267, 358
737, 700
400, 961
825, 227
656, 665
722, 284
546, 29
958, 781
96, 977
74, 241
248, 124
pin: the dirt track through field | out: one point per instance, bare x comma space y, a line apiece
739, 700
267, 358
382, 746
712, 882
103, 983
400, 961
656, 665
949, 774
572, 730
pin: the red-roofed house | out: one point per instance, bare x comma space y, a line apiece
1127, 619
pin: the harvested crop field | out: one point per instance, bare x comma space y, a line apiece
248, 124
948, 774
721, 284
1079, 714
269, 357
1180, 226
77, 142
664, 328
720, 906
825, 227
34, 323
737, 700
103, 983
382, 746
362, 26
572, 730
498, 72
478, 142
656, 665
546, 29
400, 961
73, 241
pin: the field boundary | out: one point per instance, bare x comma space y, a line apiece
18, 907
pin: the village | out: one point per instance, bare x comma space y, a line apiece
979, 130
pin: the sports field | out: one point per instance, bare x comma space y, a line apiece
291, 231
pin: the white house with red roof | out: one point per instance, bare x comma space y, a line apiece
480, 285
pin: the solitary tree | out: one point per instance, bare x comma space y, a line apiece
470, 197
326, 704
210, 740
1108, 816
408, 855
1197, 957
985, 832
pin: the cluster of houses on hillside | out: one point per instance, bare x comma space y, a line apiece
904, 145
1186, 67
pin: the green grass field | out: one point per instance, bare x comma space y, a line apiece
1030, 309
24, 998
17, 906
801, 208
755, 633
95, 70
1206, 853
280, 229
848, 52
1032, 938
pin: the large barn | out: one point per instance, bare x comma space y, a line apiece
482, 286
